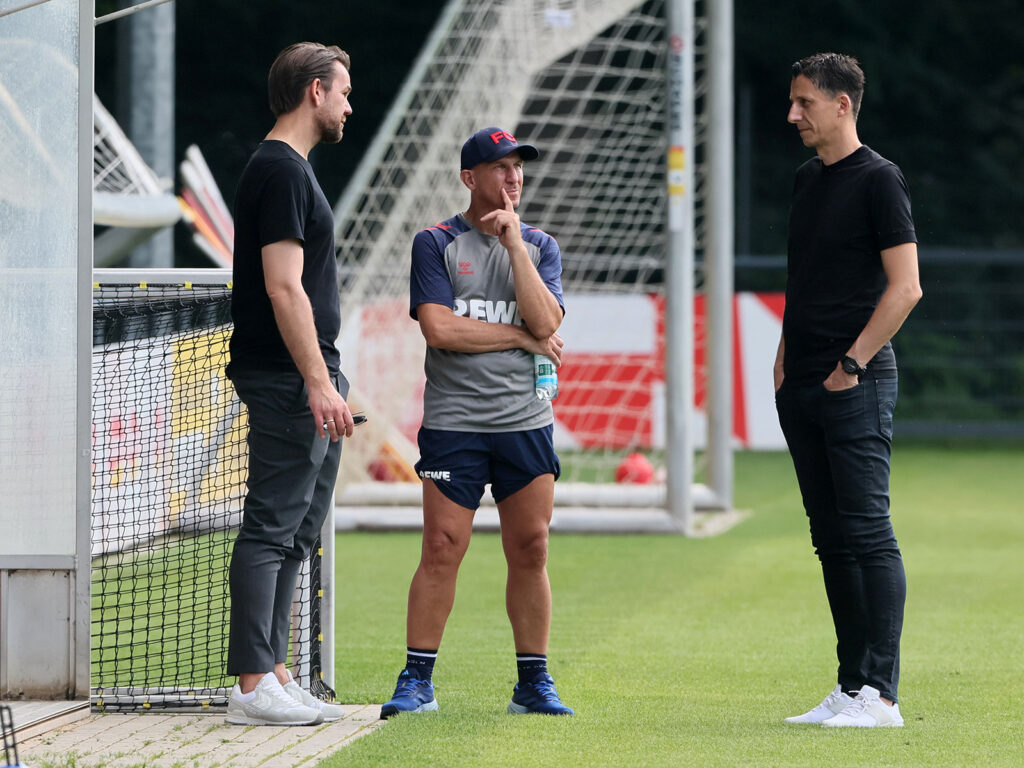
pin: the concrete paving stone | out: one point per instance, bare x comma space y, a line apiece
98, 732
253, 745
189, 737
193, 740
83, 729
328, 740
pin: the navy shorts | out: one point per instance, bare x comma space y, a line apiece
462, 463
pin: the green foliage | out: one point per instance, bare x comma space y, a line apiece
945, 93
944, 100
680, 652
961, 352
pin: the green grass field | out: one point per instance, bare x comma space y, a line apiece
159, 616
679, 652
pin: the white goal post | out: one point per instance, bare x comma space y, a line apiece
588, 82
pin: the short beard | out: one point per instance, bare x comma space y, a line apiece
329, 133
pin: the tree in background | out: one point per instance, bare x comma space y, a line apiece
945, 93
944, 100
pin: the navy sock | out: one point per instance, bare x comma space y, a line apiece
420, 662
531, 665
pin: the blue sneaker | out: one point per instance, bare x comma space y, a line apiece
538, 696
411, 695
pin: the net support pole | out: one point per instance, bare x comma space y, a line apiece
719, 253
679, 280
81, 629
148, 88
327, 600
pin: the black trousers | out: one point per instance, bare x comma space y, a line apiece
292, 472
841, 444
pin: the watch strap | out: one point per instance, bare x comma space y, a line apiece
851, 366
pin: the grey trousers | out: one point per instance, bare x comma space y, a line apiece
291, 479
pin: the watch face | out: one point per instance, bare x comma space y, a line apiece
850, 365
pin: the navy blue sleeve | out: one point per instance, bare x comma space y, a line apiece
428, 279
550, 266
890, 208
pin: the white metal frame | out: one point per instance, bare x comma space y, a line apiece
679, 279
720, 248
83, 434
49, 570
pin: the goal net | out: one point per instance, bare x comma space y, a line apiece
168, 480
584, 80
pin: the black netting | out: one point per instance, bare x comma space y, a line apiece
168, 480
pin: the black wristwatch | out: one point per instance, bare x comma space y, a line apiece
852, 367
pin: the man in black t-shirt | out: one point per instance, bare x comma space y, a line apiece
852, 280
286, 369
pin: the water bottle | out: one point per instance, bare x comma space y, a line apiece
545, 378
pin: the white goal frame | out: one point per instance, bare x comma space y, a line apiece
699, 63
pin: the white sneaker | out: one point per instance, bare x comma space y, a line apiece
331, 712
867, 711
830, 706
269, 705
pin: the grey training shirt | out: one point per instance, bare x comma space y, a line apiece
457, 266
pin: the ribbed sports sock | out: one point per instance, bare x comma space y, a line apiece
531, 665
420, 662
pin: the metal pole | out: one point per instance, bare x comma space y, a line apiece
719, 255
328, 603
679, 281
127, 11
147, 99
24, 7
82, 613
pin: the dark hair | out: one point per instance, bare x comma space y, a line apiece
296, 67
834, 73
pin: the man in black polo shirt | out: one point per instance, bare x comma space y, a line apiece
286, 369
852, 281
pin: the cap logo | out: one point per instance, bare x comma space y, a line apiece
497, 136
492, 143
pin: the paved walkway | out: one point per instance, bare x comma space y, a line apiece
172, 740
